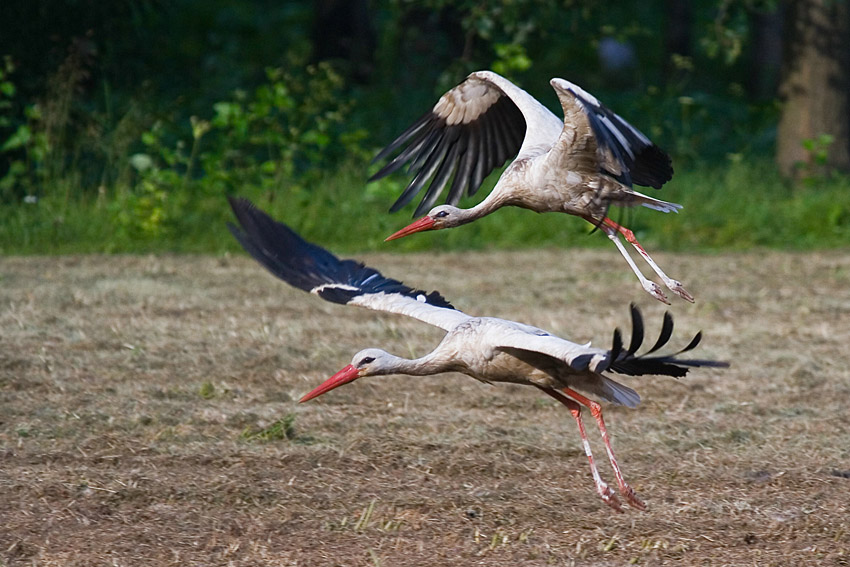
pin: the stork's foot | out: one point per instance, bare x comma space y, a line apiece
654, 290
631, 497
609, 496
676, 287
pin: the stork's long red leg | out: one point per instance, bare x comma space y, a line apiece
674, 285
596, 411
608, 495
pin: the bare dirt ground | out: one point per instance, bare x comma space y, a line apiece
138, 397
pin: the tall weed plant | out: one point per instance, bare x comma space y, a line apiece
55, 146
280, 138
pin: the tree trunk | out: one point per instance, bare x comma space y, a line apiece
815, 87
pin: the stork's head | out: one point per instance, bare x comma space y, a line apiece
443, 216
367, 362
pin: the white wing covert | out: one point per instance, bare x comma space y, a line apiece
578, 357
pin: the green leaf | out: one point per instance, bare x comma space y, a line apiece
19, 139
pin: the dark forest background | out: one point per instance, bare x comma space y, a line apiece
123, 124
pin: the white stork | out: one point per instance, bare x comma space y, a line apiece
579, 165
486, 348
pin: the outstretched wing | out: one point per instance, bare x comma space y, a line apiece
624, 152
473, 129
311, 268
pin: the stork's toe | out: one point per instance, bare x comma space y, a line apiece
676, 287
632, 498
654, 290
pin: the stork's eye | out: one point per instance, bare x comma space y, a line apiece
441, 214
367, 360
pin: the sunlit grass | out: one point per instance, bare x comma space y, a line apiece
738, 205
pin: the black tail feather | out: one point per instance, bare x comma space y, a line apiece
628, 362
666, 333
617, 346
693, 344
637, 329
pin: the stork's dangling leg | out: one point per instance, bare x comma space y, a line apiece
608, 495
596, 410
650, 286
673, 285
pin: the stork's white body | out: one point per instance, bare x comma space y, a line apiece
498, 350
557, 167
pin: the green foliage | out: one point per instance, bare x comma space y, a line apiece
207, 390
815, 171
747, 204
290, 127
30, 139
7, 93
510, 58
819, 148
285, 133
727, 33
279, 124
54, 142
740, 204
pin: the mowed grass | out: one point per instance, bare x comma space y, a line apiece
148, 415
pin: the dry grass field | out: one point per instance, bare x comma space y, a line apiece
148, 416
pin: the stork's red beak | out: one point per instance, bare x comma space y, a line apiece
425, 223
344, 376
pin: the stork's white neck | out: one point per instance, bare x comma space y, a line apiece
431, 363
495, 200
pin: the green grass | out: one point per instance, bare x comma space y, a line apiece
282, 429
737, 205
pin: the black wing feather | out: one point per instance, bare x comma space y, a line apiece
466, 163
421, 123
470, 152
693, 344
433, 143
480, 171
439, 181
424, 173
401, 159
644, 162
308, 266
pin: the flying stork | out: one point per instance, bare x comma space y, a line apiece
486, 348
579, 165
